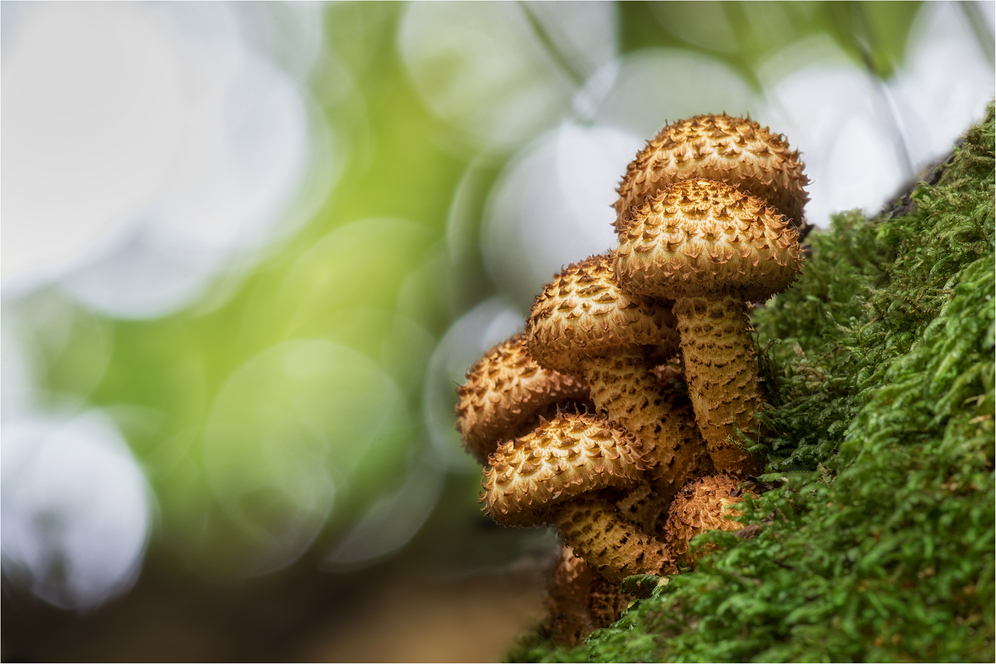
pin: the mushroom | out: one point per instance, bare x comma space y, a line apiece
559, 474
566, 600
583, 323
712, 249
702, 505
733, 150
613, 546
647, 504
580, 601
507, 393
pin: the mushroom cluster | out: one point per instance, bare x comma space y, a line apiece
618, 414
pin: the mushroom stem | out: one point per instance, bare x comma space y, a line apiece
614, 547
722, 375
623, 388
570, 621
579, 600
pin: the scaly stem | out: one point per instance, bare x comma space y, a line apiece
722, 375
616, 548
622, 388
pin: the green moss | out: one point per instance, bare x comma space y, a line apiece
876, 539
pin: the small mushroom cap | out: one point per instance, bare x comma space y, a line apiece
561, 459
700, 237
701, 506
723, 148
583, 314
505, 390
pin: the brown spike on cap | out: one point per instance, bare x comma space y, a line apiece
584, 314
699, 237
614, 547
585, 323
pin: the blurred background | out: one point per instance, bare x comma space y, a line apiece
249, 250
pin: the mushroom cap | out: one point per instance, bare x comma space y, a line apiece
701, 237
737, 151
561, 459
583, 313
700, 506
505, 390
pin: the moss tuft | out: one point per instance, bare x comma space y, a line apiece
875, 540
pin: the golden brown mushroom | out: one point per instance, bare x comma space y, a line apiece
557, 474
584, 323
566, 600
505, 395
702, 505
580, 601
733, 150
712, 249
613, 546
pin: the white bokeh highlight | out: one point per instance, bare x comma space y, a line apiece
934, 105
553, 206
76, 509
657, 86
832, 112
185, 151
87, 89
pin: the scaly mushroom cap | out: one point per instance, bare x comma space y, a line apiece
583, 313
506, 390
723, 148
701, 506
561, 459
699, 237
